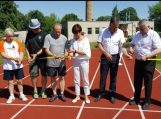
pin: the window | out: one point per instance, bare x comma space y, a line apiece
89, 30
97, 30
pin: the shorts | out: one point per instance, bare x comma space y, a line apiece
57, 71
9, 74
35, 66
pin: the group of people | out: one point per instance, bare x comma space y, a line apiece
47, 53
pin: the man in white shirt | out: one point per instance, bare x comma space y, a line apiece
146, 44
110, 43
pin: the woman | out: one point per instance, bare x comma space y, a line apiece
80, 48
12, 52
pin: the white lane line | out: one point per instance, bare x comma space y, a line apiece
157, 70
123, 108
29, 103
70, 106
141, 111
81, 109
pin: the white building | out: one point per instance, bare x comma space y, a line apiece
92, 29
21, 35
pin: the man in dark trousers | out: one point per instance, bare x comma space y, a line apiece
34, 48
110, 43
146, 43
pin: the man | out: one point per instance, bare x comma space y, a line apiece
34, 48
110, 43
146, 44
54, 45
12, 52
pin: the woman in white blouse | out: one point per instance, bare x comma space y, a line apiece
80, 48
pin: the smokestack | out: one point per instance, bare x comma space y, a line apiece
89, 12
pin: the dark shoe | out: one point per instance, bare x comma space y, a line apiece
98, 98
145, 106
112, 100
62, 97
133, 102
53, 98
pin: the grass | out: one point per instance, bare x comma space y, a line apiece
159, 62
93, 45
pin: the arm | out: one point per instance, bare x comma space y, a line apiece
48, 52
108, 55
5, 56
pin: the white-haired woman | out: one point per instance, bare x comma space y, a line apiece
80, 47
12, 52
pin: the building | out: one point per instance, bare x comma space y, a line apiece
93, 28
21, 35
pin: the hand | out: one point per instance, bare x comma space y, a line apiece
129, 57
69, 57
34, 56
143, 58
130, 51
108, 56
29, 59
17, 60
71, 51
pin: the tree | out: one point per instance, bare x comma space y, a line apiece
155, 14
8, 14
103, 18
128, 14
36, 14
65, 19
115, 12
50, 21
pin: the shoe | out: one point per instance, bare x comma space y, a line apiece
75, 100
112, 100
98, 98
35, 95
120, 64
23, 97
43, 95
62, 97
53, 98
10, 99
133, 102
87, 101
145, 106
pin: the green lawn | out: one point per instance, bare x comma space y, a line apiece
159, 62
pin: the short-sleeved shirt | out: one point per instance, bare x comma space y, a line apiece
12, 49
35, 42
57, 46
83, 46
112, 43
144, 45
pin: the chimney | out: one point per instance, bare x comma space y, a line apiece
89, 12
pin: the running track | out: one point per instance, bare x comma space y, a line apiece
42, 109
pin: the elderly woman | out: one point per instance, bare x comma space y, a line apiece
12, 52
80, 48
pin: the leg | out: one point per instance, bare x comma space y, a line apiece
11, 87
148, 77
76, 71
34, 74
85, 72
113, 75
105, 64
138, 79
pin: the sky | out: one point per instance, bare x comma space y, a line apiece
100, 8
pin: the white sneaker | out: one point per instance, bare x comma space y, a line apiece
120, 64
87, 101
23, 97
10, 99
75, 100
